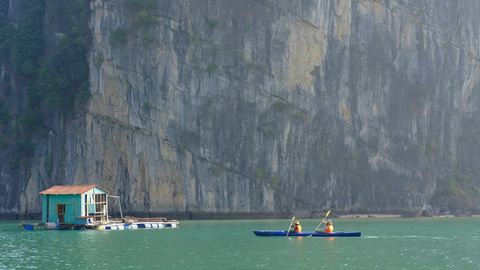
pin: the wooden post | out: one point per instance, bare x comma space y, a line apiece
105, 207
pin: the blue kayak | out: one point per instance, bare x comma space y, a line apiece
313, 234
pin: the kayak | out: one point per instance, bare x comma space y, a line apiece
313, 234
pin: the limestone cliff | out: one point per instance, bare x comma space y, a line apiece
263, 106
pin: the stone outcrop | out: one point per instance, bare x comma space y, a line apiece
264, 106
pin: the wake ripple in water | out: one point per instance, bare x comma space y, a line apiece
408, 236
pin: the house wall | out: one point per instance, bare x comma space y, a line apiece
44, 208
73, 208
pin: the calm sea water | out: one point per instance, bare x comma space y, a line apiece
424, 243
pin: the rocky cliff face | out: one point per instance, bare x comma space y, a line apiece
266, 106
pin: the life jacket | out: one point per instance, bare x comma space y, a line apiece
298, 228
329, 229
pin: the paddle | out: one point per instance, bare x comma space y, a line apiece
289, 226
326, 215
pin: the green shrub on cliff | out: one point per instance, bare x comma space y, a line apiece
216, 170
61, 76
28, 42
139, 5
119, 36
6, 37
25, 147
64, 73
212, 24
456, 192
143, 12
50, 67
99, 58
4, 115
211, 68
145, 19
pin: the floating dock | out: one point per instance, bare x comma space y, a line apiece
112, 225
133, 224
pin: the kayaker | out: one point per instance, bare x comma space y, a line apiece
328, 226
296, 227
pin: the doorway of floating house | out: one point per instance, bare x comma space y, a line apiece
61, 213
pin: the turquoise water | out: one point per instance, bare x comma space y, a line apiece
442, 243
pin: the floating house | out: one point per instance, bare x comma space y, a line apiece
86, 207
74, 205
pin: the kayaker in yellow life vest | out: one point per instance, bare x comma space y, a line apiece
296, 227
328, 226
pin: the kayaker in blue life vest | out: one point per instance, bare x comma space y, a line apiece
296, 227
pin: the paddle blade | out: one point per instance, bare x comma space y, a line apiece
326, 215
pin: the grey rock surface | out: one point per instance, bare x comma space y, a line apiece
263, 106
